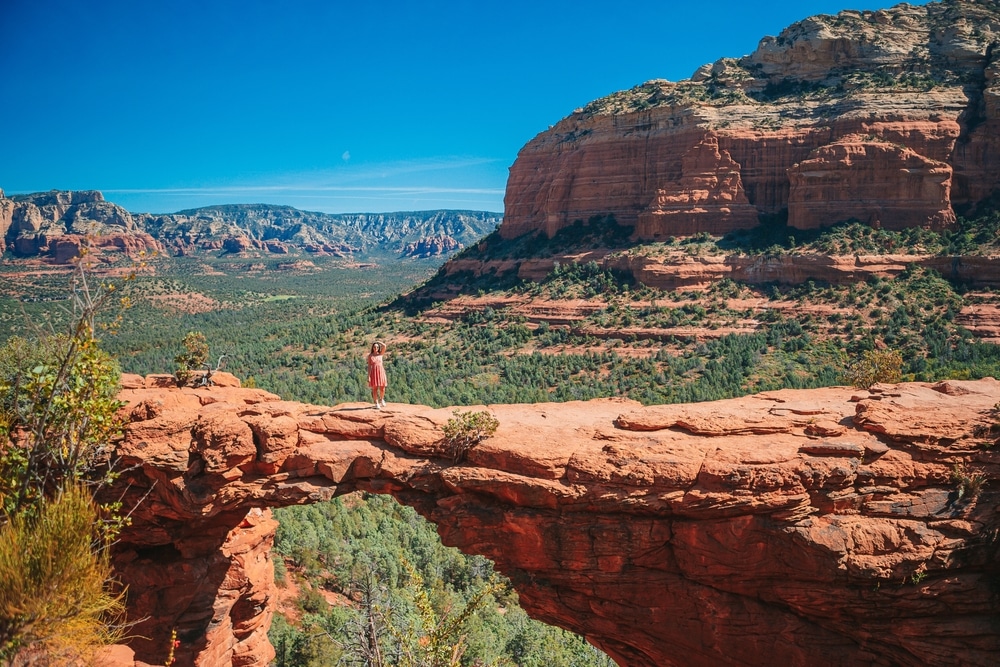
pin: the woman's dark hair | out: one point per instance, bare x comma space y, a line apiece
376, 347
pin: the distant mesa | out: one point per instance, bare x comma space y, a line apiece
887, 117
55, 225
431, 246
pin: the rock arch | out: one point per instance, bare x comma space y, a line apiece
788, 527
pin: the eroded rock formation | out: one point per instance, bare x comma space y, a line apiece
59, 223
889, 116
709, 197
882, 184
826, 526
431, 246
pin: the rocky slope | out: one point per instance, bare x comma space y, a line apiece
56, 224
888, 117
680, 270
831, 526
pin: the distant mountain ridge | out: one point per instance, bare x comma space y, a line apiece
54, 225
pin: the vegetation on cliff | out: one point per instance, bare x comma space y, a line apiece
904, 49
58, 422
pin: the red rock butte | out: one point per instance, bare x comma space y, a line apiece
829, 526
887, 117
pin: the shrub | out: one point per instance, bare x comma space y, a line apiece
466, 430
968, 484
53, 595
875, 366
58, 421
194, 357
58, 412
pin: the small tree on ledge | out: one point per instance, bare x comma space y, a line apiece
466, 430
875, 366
194, 357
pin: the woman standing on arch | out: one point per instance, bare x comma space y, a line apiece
376, 374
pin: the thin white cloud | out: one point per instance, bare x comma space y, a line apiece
427, 183
241, 189
347, 179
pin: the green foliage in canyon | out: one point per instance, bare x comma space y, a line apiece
400, 597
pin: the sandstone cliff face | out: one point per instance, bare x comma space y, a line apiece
431, 246
888, 116
882, 184
811, 527
708, 198
58, 223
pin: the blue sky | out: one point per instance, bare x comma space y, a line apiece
329, 106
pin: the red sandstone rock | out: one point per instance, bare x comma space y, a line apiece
236, 244
161, 380
868, 144
431, 246
132, 381
276, 247
709, 197
781, 528
882, 184
65, 249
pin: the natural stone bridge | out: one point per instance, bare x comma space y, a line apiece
818, 527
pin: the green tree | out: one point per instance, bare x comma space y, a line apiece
466, 430
875, 366
194, 357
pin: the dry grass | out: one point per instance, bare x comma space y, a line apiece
56, 603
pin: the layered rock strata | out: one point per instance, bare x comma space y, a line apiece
59, 223
680, 270
831, 526
889, 117
709, 196
885, 185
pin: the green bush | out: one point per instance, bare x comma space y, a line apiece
967, 483
466, 430
194, 357
875, 366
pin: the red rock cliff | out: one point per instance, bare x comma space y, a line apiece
58, 223
889, 117
794, 527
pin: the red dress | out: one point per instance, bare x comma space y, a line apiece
376, 371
